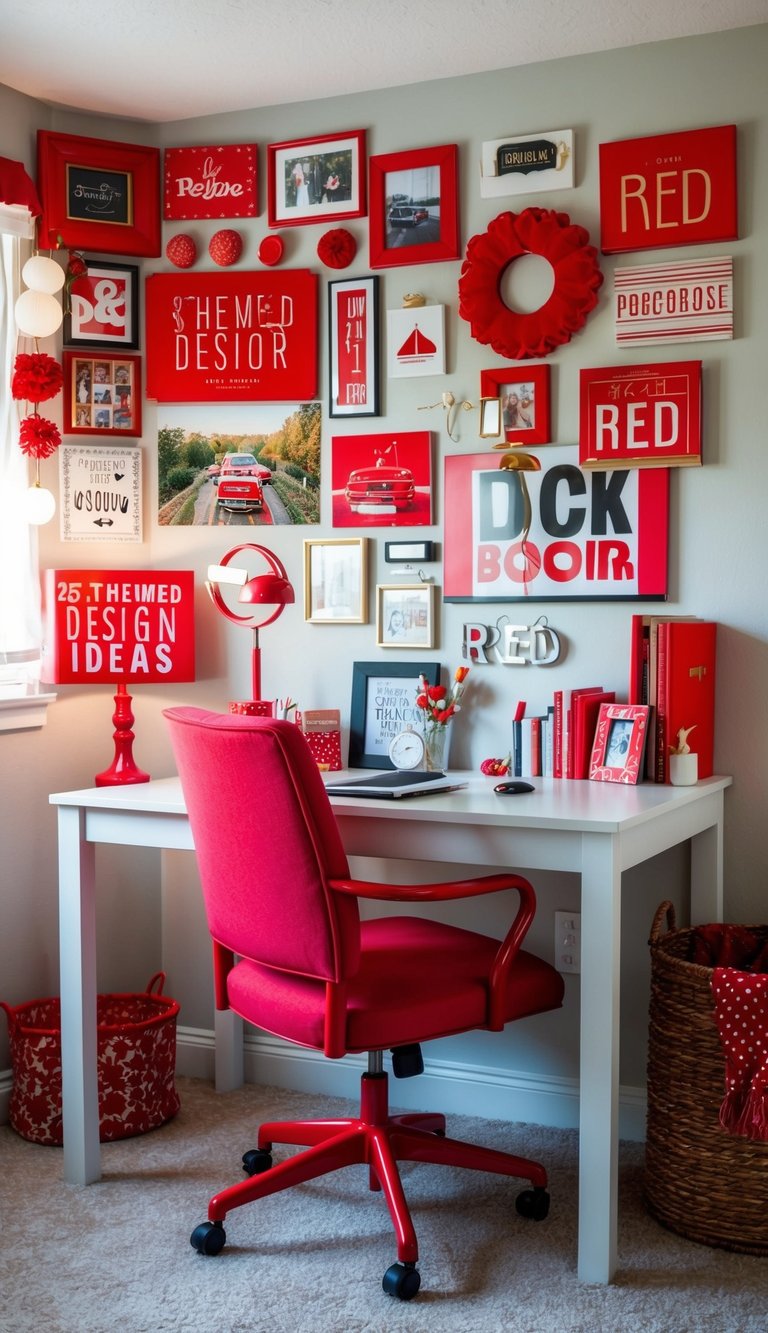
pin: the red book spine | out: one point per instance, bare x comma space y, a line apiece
536, 768
557, 740
662, 705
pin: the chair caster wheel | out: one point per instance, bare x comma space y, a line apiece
256, 1161
533, 1203
208, 1238
402, 1281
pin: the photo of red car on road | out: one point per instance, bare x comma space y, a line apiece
239, 482
382, 480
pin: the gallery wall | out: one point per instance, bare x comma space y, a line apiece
718, 543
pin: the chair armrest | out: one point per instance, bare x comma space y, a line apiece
509, 947
431, 893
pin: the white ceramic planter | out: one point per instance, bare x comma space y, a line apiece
683, 770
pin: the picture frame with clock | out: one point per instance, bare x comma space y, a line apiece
383, 705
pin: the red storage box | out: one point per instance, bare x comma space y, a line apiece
136, 1064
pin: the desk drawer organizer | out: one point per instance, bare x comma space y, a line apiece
136, 1064
700, 1181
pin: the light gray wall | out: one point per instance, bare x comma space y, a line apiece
718, 531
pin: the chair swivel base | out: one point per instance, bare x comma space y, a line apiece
378, 1140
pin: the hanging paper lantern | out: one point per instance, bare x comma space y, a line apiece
36, 377
38, 437
38, 314
43, 275
39, 505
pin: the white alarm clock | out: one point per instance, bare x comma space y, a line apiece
407, 749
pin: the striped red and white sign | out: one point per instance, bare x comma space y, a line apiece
686, 301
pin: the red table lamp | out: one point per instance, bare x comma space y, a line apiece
271, 589
118, 627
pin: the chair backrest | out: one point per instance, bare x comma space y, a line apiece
266, 841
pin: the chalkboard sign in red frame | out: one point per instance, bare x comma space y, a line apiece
98, 195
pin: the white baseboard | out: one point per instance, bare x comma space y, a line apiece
460, 1089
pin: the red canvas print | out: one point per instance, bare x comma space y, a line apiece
213, 182
382, 480
641, 416
669, 189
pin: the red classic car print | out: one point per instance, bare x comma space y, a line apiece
384, 487
238, 485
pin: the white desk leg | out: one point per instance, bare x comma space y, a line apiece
228, 1057
707, 872
599, 1060
77, 967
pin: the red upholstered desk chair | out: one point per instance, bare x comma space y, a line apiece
280, 900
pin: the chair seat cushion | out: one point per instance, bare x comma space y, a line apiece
418, 979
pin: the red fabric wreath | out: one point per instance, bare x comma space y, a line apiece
36, 377
537, 231
337, 248
38, 438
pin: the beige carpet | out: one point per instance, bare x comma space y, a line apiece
116, 1256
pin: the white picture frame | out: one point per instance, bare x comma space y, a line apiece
416, 341
100, 493
405, 615
529, 177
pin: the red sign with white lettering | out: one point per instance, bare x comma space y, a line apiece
640, 416
106, 626
217, 182
670, 189
234, 337
352, 347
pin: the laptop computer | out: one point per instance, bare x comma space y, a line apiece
391, 786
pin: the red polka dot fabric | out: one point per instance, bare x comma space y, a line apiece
741, 1013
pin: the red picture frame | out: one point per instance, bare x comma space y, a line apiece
526, 421
640, 416
618, 750
318, 179
414, 207
98, 195
102, 394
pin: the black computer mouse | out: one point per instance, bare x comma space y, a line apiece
515, 788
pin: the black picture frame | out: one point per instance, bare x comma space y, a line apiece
396, 553
353, 347
94, 292
375, 721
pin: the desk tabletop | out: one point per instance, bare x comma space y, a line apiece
555, 803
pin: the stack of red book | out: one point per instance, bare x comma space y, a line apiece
672, 668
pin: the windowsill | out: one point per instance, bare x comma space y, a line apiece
25, 711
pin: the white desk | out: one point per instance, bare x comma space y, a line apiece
597, 830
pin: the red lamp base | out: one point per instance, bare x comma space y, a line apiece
122, 769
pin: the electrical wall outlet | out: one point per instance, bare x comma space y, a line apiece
568, 941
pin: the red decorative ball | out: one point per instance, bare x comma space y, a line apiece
181, 250
226, 247
36, 377
38, 438
337, 248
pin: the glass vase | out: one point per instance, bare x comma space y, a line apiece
437, 744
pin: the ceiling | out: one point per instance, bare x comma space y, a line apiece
161, 60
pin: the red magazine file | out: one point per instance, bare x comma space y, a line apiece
688, 689
586, 709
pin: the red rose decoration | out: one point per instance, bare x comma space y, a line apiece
38, 438
225, 247
36, 377
76, 265
337, 248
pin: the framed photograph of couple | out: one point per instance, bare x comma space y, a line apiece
102, 394
405, 615
104, 307
523, 394
414, 214
320, 179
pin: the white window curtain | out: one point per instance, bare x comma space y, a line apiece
20, 621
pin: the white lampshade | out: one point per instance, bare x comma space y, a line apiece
38, 314
39, 505
43, 274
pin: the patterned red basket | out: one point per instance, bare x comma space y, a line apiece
136, 1064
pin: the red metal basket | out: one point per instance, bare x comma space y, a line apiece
136, 1064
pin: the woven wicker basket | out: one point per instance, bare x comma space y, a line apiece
700, 1181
